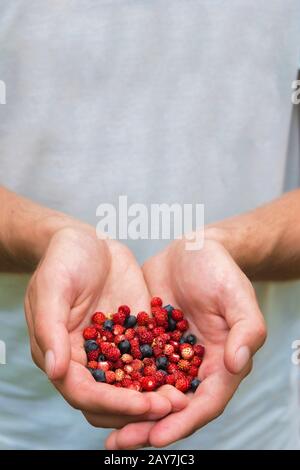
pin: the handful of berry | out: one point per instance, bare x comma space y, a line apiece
143, 352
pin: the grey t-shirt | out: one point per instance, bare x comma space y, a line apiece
164, 101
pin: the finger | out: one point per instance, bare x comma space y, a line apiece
247, 330
50, 311
209, 402
132, 436
177, 399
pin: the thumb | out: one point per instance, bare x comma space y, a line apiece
247, 333
50, 314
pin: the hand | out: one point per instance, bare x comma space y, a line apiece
220, 304
78, 275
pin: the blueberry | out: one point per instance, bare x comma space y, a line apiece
191, 339
130, 321
182, 340
169, 308
101, 358
162, 362
171, 324
99, 375
146, 350
163, 371
108, 325
90, 345
124, 346
195, 384
90, 370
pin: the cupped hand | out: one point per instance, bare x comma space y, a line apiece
220, 305
78, 275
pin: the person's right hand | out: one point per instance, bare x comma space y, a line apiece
78, 275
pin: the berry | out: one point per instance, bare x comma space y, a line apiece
130, 321
142, 319
145, 336
120, 375
156, 302
118, 330
184, 365
99, 375
160, 377
136, 353
126, 382
98, 318
110, 377
194, 384
161, 318
119, 318
101, 357
146, 350
90, 345
136, 375
105, 347
107, 336
193, 371
118, 364
151, 324
149, 370
148, 383
162, 362
117, 384
171, 324
199, 350
172, 368
182, 325
157, 351
137, 364
177, 314
113, 354
174, 358
90, 333
158, 331
191, 339
125, 309
170, 379
119, 338
168, 349
176, 335
169, 308
175, 345
130, 333
128, 369
196, 361
126, 358
148, 361
104, 365
135, 386
92, 365
135, 342
93, 355
186, 351
182, 384
108, 325
124, 346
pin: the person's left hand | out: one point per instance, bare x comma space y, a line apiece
220, 305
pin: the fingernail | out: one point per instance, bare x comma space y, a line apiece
49, 363
242, 356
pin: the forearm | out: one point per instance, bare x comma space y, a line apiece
25, 231
265, 242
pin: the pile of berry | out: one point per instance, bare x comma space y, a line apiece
143, 352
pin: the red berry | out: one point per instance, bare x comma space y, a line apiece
170, 379
182, 325
125, 309
160, 377
135, 386
142, 319
193, 371
117, 384
175, 345
158, 331
177, 314
174, 358
182, 384
119, 318
176, 335
126, 382
136, 353
93, 355
199, 350
120, 375
184, 365
113, 354
186, 351
104, 365
196, 361
92, 364
148, 361
128, 369
161, 318
156, 302
148, 383
151, 324
136, 375
118, 364
119, 338
110, 376
107, 336
168, 350
90, 333
145, 336
126, 358
135, 342
172, 368
105, 347
137, 364
130, 333
98, 318
157, 351
149, 370
118, 330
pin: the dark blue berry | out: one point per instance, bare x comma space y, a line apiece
169, 308
146, 350
191, 339
162, 362
99, 375
163, 371
90, 370
195, 384
124, 346
108, 325
90, 345
182, 340
130, 321
101, 358
171, 324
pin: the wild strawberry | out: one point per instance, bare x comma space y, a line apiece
170, 379
172, 368
184, 365
110, 376
186, 351
168, 349
177, 314
118, 330
196, 361
117, 384
182, 325
176, 335
142, 319
120, 375
136, 353
160, 377
151, 324
119, 318
156, 302
148, 383
145, 336
178, 374
161, 318
149, 370
158, 331
126, 382
128, 369
118, 364
119, 338
134, 343
90, 333
157, 351
93, 355
174, 358
137, 364
136, 375
199, 350
124, 309
92, 364
159, 342
112, 354
107, 336
104, 365
175, 345
193, 371
165, 337
135, 385
98, 318
126, 358
148, 361
130, 333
